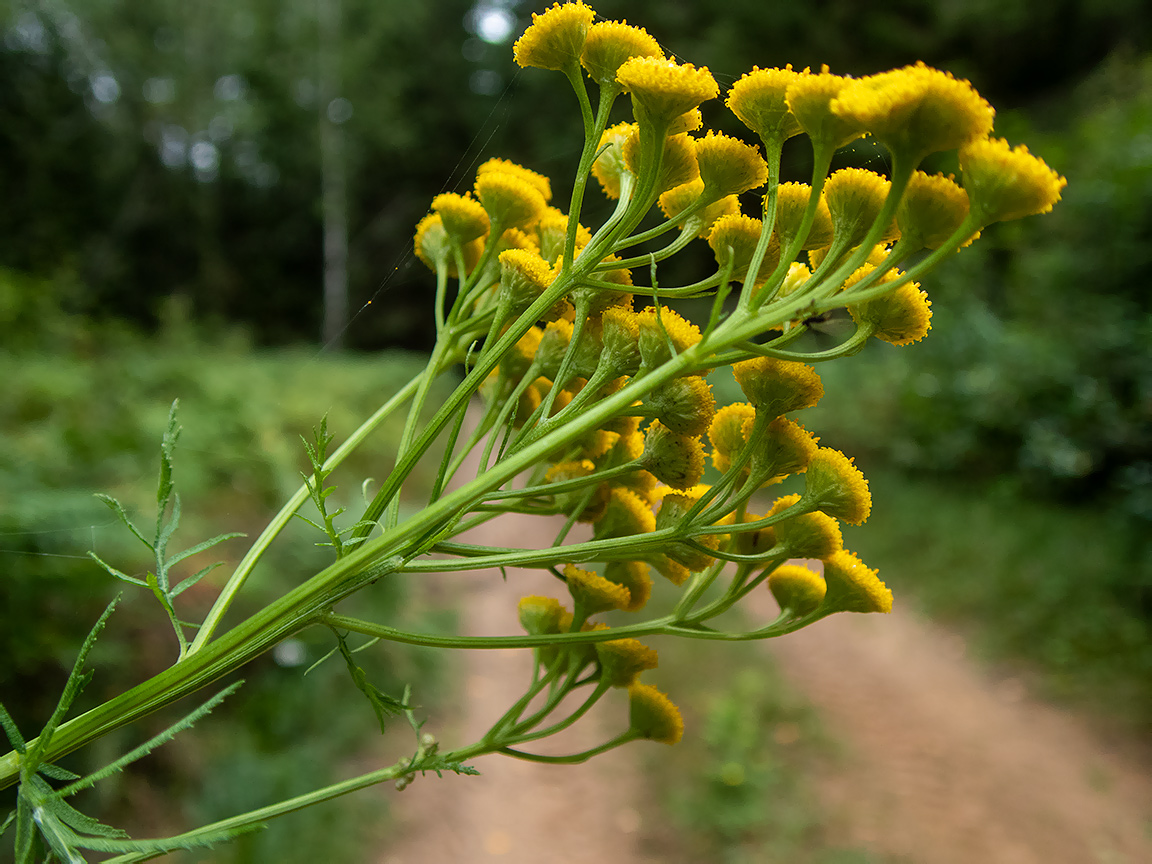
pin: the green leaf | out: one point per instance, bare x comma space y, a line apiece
15, 739
185, 584
200, 547
440, 765
167, 445
76, 681
7, 821
384, 705
163, 535
48, 802
118, 509
56, 772
114, 572
151, 744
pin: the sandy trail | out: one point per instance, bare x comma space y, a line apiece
945, 765
942, 763
517, 812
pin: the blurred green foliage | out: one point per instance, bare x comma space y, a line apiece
741, 789
88, 418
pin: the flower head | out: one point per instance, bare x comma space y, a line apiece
627, 514
675, 201
463, 216
758, 99
1007, 183
685, 405
797, 588
540, 615
662, 90
511, 201
809, 98
677, 460
523, 277
776, 387
609, 44
807, 535
555, 38
728, 166
791, 203
836, 486
902, 316
853, 587
621, 660
653, 716
433, 246
506, 166
916, 110
855, 196
593, 593
677, 165
633, 575
657, 329
728, 433
785, 448
610, 166
734, 239
932, 208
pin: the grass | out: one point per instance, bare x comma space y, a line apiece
75, 424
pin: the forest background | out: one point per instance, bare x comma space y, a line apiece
215, 202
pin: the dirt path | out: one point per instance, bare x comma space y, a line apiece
517, 812
942, 764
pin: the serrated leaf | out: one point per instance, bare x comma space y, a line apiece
15, 739
114, 572
7, 821
61, 839
439, 765
118, 509
142, 850
167, 446
56, 772
185, 584
202, 546
165, 533
186, 722
72, 687
383, 705
49, 803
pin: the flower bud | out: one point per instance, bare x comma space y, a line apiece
797, 589
837, 487
853, 587
653, 716
621, 660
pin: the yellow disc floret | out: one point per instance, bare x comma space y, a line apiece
1006, 183
758, 99
463, 216
809, 98
791, 202
734, 239
662, 90
653, 716
610, 166
853, 587
797, 589
555, 38
609, 44
776, 387
836, 486
593, 593
932, 208
621, 660
855, 196
916, 110
728, 166
511, 201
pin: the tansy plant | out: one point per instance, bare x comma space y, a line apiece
594, 402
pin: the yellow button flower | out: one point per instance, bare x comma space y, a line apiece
758, 99
653, 716
902, 316
662, 90
797, 589
621, 660
677, 165
593, 593
855, 196
555, 38
676, 201
808, 535
540, 615
916, 110
791, 202
734, 239
677, 460
633, 575
932, 208
728, 435
609, 44
511, 201
463, 216
728, 166
1006, 183
610, 166
836, 486
656, 331
685, 405
853, 587
809, 98
776, 387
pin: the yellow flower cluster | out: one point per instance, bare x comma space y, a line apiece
635, 470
